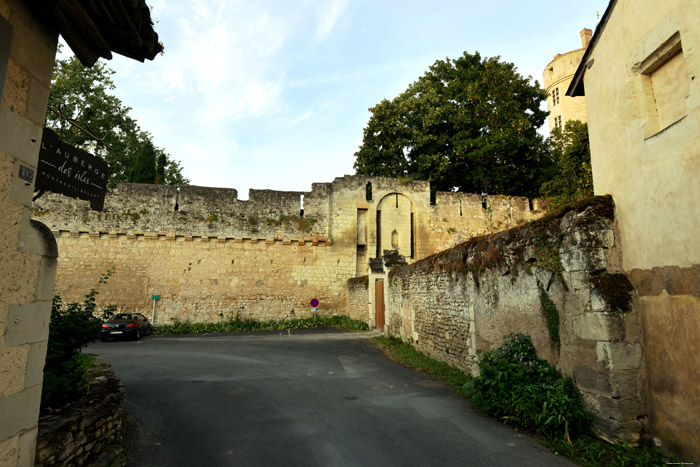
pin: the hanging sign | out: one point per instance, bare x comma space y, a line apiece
70, 171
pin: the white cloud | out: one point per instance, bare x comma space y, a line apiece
327, 15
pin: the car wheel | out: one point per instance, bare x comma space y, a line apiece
103, 339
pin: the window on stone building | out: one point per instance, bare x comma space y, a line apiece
368, 191
555, 96
557, 122
665, 85
671, 88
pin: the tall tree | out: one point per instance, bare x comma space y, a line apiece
468, 124
84, 113
571, 178
144, 168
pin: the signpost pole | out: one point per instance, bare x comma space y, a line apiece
314, 304
153, 316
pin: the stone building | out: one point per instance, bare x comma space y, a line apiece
28, 37
640, 77
556, 79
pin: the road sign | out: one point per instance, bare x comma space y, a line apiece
155, 297
314, 303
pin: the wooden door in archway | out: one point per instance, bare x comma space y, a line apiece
379, 304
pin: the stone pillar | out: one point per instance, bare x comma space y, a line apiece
27, 249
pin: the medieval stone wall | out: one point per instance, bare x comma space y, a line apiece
469, 297
203, 279
210, 255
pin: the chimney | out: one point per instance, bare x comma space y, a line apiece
586, 35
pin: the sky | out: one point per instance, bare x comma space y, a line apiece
274, 94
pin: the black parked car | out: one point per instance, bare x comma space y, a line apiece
125, 325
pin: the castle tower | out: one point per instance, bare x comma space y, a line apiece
556, 78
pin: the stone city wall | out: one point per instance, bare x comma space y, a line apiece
210, 255
468, 298
204, 279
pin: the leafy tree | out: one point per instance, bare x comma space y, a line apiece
468, 124
101, 124
572, 178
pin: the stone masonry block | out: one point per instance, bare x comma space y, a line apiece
578, 280
607, 383
16, 89
28, 323
27, 442
9, 450
19, 411
35, 364
592, 326
572, 260
620, 355
13, 361
27, 138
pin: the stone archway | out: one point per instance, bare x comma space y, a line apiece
396, 225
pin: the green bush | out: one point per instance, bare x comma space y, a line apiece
72, 327
518, 387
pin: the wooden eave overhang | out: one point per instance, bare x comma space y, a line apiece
96, 28
576, 87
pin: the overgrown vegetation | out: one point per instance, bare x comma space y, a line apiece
73, 326
521, 389
551, 315
238, 324
571, 177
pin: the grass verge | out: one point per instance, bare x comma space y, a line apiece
586, 450
247, 325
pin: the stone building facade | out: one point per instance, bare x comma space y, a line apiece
557, 77
640, 76
210, 255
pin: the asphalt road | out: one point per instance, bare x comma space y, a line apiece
321, 398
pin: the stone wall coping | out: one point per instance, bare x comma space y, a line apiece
315, 241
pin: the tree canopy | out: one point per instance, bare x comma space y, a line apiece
83, 95
571, 178
468, 124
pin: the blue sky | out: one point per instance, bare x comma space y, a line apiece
274, 94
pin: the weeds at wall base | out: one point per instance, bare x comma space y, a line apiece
247, 325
